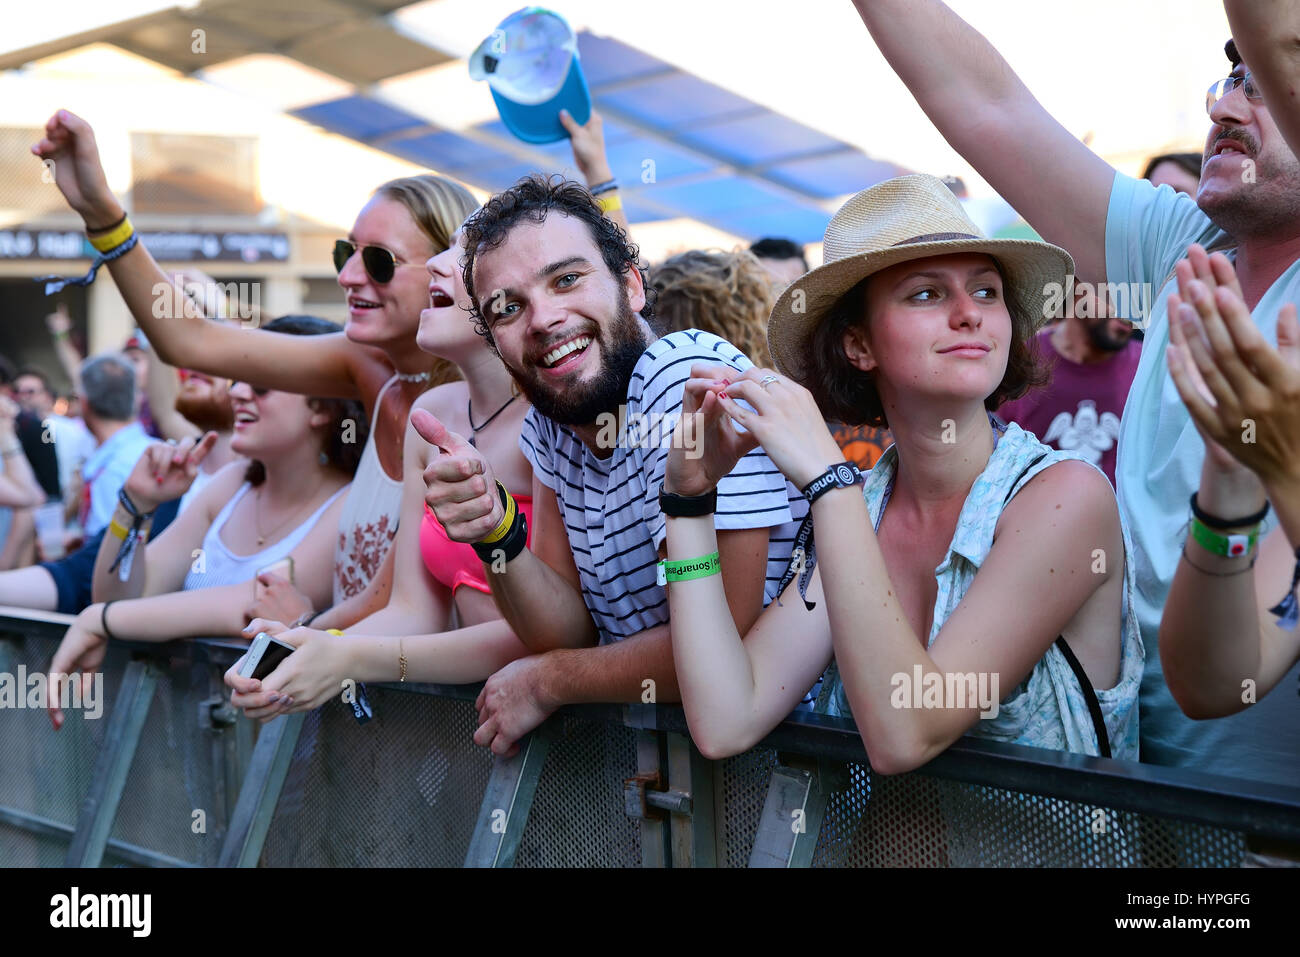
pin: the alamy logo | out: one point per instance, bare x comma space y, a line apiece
74, 909
23, 690
948, 690
1085, 432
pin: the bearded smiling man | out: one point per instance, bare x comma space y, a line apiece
1125, 231
556, 289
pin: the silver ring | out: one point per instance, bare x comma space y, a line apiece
767, 380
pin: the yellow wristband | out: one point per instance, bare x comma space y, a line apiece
609, 203
118, 529
334, 631
507, 520
111, 240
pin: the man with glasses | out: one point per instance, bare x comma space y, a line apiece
1122, 231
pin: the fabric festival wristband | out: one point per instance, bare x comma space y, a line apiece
507, 520
609, 204
114, 237
689, 569
1227, 546
118, 529
55, 284
608, 186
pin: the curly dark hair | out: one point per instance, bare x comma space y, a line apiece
342, 455
846, 394
530, 200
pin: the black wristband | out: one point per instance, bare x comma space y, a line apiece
131, 508
687, 506
103, 621
507, 548
1213, 521
106, 229
839, 475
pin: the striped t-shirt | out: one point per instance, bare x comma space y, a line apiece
611, 506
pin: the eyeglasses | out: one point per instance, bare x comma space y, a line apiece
381, 265
1226, 86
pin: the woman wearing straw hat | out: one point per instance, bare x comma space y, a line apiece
978, 581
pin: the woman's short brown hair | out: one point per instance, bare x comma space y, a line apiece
846, 394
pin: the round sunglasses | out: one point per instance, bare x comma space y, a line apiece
380, 264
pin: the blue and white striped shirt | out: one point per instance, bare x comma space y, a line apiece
611, 506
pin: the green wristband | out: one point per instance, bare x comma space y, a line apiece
701, 567
1228, 546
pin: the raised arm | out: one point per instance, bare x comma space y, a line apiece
312, 365
1267, 33
162, 473
588, 141
988, 116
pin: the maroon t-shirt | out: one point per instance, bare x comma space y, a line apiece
1080, 408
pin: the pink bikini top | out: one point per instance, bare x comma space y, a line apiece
455, 563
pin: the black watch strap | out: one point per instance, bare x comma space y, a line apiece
837, 475
687, 506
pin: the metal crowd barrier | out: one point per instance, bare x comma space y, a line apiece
171, 775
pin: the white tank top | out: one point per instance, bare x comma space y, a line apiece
369, 520
218, 565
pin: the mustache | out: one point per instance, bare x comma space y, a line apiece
1237, 135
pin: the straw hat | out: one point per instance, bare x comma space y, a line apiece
910, 217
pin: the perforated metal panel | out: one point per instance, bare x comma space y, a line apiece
43, 772
912, 820
578, 817
744, 782
400, 791
174, 800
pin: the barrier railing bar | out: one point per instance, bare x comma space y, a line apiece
1258, 807
121, 738
47, 827
255, 805
692, 832
507, 801
654, 836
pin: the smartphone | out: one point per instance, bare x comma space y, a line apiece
264, 655
283, 568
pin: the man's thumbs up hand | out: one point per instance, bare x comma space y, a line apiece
459, 485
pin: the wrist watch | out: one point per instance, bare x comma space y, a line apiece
687, 506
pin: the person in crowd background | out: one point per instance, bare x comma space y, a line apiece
64, 585
1181, 172
925, 336
282, 504
108, 385
70, 438
727, 294
557, 291
1091, 358
1126, 231
783, 259
18, 485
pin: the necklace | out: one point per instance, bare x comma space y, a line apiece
257, 514
476, 429
415, 376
